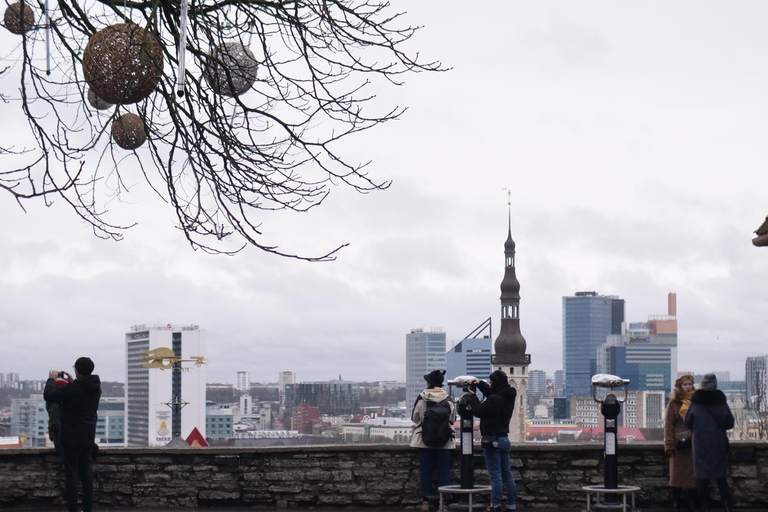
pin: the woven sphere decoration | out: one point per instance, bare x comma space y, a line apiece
122, 63
231, 69
96, 102
15, 22
128, 131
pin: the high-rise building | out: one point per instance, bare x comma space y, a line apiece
29, 417
510, 346
470, 356
284, 379
163, 402
242, 381
559, 384
646, 353
537, 383
425, 351
110, 425
588, 319
757, 382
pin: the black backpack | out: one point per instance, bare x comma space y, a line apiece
436, 427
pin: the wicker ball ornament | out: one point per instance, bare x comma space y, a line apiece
15, 21
123, 63
231, 69
128, 131
96, 102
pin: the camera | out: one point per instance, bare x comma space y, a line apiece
61, 375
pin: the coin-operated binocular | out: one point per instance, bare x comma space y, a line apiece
464, 408
610, 407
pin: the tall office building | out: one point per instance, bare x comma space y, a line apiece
163, 402
424, 352
242, 382
588, 319
559, 384
470, 356
646, 353
283, 379
757, 382
537, 383
510, 346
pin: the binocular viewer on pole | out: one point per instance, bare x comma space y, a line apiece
611, 382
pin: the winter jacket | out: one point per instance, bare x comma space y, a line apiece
495, 412
54, 420
709, 417
681, 462
420, 409
79, 402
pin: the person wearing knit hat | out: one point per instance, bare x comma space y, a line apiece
433, 414
54, 415
709, 417
677, 445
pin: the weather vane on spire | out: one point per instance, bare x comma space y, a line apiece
509, 195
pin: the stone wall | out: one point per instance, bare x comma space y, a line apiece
349, 475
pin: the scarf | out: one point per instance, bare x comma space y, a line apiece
685, 399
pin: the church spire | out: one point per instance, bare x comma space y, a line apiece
510, 345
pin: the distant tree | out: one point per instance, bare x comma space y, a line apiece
246, 119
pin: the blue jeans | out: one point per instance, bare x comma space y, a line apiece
429, 459
497, 462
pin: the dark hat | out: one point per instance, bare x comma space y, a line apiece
498, 376
709, 382
435, 377
84, 366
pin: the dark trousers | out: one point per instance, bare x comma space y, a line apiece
725, 493
431, 459
77, 466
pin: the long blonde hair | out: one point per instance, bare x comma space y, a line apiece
678, 393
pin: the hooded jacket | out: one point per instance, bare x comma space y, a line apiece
419, 410
79, 402
495, 412
709, 417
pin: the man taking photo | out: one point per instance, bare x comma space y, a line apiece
79, 402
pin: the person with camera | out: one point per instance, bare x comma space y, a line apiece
677, 445
434, 414
495, 413
79, 401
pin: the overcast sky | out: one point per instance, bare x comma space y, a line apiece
633, 139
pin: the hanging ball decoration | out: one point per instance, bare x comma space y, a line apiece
123, 63
15, 21
231, 69
96, 102
128, 131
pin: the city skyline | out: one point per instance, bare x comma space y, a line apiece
633, 145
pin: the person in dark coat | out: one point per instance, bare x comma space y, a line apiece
79, 404
709, 417
495, 413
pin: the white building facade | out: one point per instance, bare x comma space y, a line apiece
156, 399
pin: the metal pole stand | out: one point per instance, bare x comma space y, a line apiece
610, 407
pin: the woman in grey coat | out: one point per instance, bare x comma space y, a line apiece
709, 417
